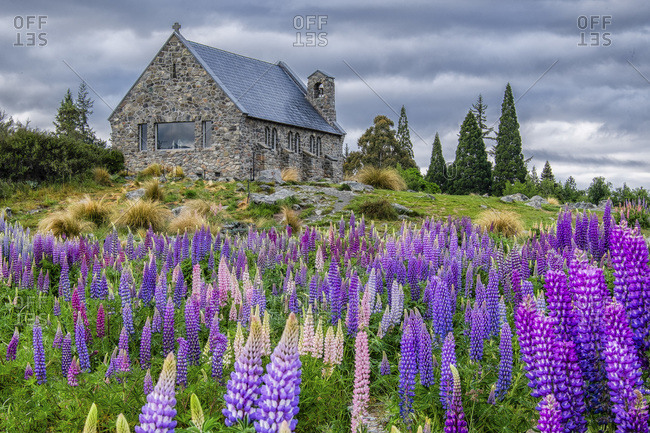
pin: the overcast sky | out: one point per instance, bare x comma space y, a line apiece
588, 115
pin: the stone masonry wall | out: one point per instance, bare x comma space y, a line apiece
192, 96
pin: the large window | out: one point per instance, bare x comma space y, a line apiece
274, 139
267, 136
290, 141
176, 135
296, 143
319, 149
142, 136
207, 133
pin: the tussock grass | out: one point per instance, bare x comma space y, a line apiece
153, 190
290, 174
201, 207
177, 172
141, 214
188, 221
64, 223
152, 170
89, 209
507, 223
102, 176
553, 201
378, 209
381, 178
290, 218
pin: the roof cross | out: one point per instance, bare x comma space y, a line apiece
176, 27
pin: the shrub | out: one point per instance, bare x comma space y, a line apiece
113, 160
154, 169
507, 223
153, 190
344, 187
187, 221
599, 189
527, 188
142, 214
382, 178
95, 211
290, 174
102, 176
63, 223
190, 193
290, 218
378, 209
416, 182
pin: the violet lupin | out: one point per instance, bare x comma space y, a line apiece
181, 375
158, 413
280, 392
168, 328
334, 284
243, 388
455, 418
505, 364
12, 347
101, 322
448, 358
80, 343
384, 366
550, 419
425, 352
147, 385
192, 330
28, 371
39, 352
66, 353
408, 369
145, 346
73, 372
361, 380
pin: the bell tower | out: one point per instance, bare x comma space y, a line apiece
320, 93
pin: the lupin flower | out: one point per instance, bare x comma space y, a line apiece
39, 352
90, 426
425, 359
550, 417
147, 386
448, 358
317, 343
12, 347
168, 328
408, 369
329, 352
361, 381
56, 308
58, 337
66, 353
243, 388
384, 366
192, 331
80, 343
145, 346
505, 364
181, 372
280, 392
28, 371
101, 322
158, 413
73, 371
455, 421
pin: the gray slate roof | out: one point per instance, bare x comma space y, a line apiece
260, 89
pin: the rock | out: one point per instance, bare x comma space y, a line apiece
514, 197
33, 211
272, 175
235, 227
177, 210
135, 194
486, 195
402, 217
410, 190
296, 207
239, 187
536, 202
483, 206
280, 194
584, 205
7, 212
432, 197
357, 186
265, 188
162, 179
403, 210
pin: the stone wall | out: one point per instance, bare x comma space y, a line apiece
191, 96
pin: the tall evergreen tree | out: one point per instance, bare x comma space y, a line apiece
403, 136
84, 106
479, 109
508, 157
473, 171
379, 146
66, 121
437, 172
547, 173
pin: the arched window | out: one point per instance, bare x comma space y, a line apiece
267, 137
274, 139
312, 144
318, 90
290, 140
296, 143
319, 149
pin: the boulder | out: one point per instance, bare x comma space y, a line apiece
239, 187
514, 197
402, 210
536, 202
357, 186
281, 194
178, 210
265, 188
135, 194
272, 175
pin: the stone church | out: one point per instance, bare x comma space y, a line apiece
220, 114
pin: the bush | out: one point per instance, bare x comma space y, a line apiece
113, 160
416, 182
190, 193
527, 188
153, 190
141, 214
381, 178
507, 223
598, 190
102, 176
95, 211
290, 174
63, 223
378, 209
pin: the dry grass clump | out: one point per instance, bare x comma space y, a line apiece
381, 178
64, 223
290, 218
243, 205
290, 174
95, 211
553, 201
378, 209
177, 172
102, 176
152, 170
153, 190
142, 214
188, 221
201, 207
507, 223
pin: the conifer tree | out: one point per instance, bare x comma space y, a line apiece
479, 109
508, 157
405, 150
84, 106
437, 172
547, 173
378, 146
473, 171
66, 121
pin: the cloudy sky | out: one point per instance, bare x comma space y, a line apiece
588, 114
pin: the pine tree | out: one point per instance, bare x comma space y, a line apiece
473, 171
437, 172
67, 118
405, 150
508, 157
547, 173
84, 106
479, 109
533, 176
379, 147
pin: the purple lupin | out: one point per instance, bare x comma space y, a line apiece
39, 352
